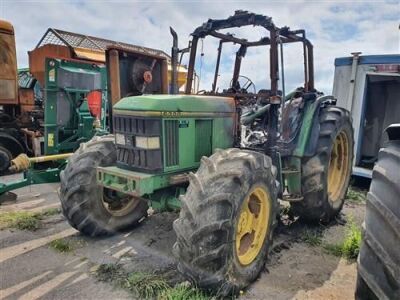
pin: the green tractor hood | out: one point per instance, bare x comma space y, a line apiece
174, 105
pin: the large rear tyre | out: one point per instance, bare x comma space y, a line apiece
379, 258
326, 175
88, 207
228, 215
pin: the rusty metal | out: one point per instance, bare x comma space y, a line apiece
8, 68
192, 59
214, 86
244, 18
113, 71
174, 62
75, 40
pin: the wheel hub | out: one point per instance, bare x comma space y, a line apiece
252, 225
338, 166
118, 204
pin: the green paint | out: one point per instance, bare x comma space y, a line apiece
293, 180
33, 176
68, 121
308, 117
166, 199
129, 182
177, 104
162, 196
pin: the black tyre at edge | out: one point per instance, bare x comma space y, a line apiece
379, 258
81, 197
205, 229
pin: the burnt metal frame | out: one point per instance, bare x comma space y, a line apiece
277, 35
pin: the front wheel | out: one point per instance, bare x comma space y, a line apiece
88, 207
228, 215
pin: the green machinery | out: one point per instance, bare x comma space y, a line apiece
75, 109
223, 157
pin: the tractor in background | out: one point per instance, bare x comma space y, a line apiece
223, 157
62, 100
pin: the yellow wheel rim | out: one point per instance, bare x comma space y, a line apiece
339, 165
118, 206
252, 225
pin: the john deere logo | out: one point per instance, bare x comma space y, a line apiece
170, 114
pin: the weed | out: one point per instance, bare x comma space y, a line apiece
183, 292
62, 245
110, 273
312, 237
352, 242
145, 285
22, 220
356, 196
350, 246
25, 220
50, 212
334, 249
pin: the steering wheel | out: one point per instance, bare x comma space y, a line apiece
244, 87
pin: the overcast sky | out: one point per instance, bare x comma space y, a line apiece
336, 28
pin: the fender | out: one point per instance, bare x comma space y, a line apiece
308, 137
393, 132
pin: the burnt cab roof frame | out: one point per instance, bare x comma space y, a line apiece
277, 35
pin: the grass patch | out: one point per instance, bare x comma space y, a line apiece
356, 196
312, 237
25, 220
147, 285
350, 247
62, 245
50, 212
183, 292
22, 220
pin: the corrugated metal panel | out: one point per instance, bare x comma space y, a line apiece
84, 44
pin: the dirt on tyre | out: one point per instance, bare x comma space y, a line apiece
88, 207
226, 223
326, 175
379, 258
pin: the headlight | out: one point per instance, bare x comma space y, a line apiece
147, 142
120, 139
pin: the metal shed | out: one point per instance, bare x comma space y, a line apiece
369, 87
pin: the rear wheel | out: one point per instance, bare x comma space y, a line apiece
89, 208
228, 215
326, 175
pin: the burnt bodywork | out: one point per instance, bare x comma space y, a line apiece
260, 110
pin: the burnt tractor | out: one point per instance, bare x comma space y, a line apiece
223, 158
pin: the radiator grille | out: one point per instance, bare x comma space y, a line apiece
171, 142
128, 155
137, 126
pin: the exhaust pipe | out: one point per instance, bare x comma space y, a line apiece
174, 62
